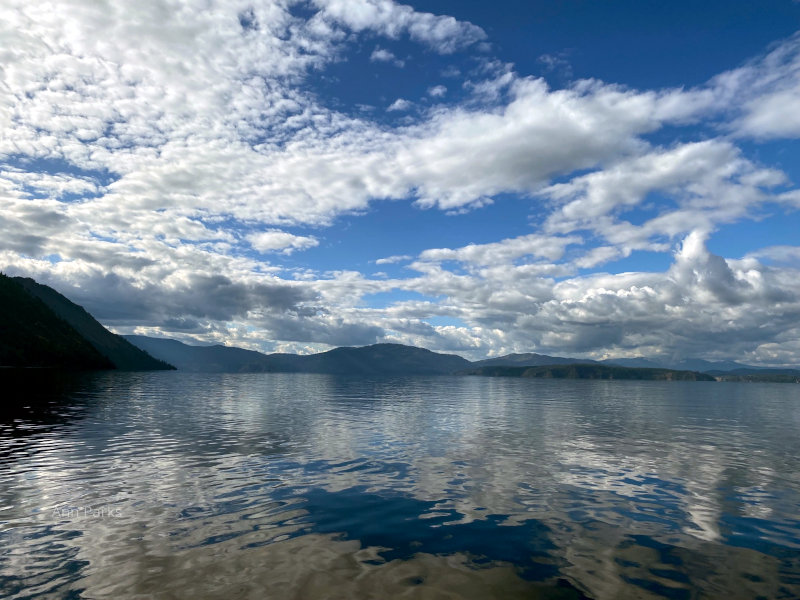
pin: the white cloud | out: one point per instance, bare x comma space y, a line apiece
506, 251
383, 55
773, 116
466, 156
789, 255
437, 91
706, 184
275, 240
442, 33
393, 259
765, 92
400, 104
328, 163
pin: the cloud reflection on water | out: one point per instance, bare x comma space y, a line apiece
625, 489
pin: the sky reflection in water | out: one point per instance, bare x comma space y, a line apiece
310, 486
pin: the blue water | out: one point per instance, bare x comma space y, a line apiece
175, 485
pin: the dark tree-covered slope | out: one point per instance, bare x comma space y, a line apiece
122, 354
32, 335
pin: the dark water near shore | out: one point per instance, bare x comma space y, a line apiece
171, 485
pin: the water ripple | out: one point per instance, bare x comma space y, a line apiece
203, 486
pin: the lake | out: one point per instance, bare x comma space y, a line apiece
294, 486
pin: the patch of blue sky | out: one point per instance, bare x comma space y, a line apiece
779, 227
445, 322
57, 166
640, 44
34, 193
670, 135
397, 228
775, 154
78, 197
53, 258
301, 10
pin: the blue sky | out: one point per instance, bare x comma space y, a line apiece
577, 178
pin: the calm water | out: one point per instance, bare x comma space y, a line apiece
170, 485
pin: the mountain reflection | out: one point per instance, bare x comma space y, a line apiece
184, 485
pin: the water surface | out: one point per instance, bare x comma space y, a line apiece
175, 485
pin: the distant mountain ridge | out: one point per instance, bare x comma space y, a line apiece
689, 364
698, 364
399, 359
206, 359
378, 359
114, 351
639, 362
529, 359
590, 371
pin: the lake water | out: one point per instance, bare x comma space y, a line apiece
287, 486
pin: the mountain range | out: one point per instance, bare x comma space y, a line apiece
396, 358
40, 327
590, 371
384, 359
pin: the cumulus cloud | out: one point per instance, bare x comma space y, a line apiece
701, 304
709, 183
437, 91
276, 240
